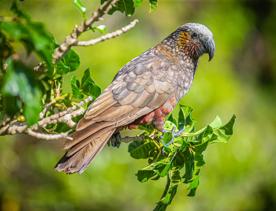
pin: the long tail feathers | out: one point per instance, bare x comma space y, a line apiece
83, 152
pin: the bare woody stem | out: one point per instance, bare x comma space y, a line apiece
108, 36
72, 39
15, 127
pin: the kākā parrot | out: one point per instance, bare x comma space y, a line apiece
144, 91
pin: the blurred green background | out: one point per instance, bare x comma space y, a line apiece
241, 80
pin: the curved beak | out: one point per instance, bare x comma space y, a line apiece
210, 48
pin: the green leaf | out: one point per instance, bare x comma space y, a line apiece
6, 51
185, 118
216, 122
144, 175
11, 105
124, 6
193, 186
80, 6
137, 3
33, 36
169, 192
182, 160
68, 63
172, 119
141, 149
75, 86
19, 13
153, 4
162, 167
224, 133
101, 28
189, 165
20, 82
43, 42
88, 85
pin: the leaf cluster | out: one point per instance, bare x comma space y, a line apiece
177, 153
26, 89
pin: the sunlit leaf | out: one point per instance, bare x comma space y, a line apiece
80, 6
137, 3
101, 28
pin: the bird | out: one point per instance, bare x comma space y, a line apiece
144, 91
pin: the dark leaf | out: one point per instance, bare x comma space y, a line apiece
185, 118
68, 63
193, 186
162, 167
189, 165
124, 6
19, 13
145, 175
11, 105
76, 91
6, 51
33, 36
167, 197
153, 4
141, 149
88, 85
172, 119
20, 82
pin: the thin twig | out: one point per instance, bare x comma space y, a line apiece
46, 108
128, 139
108, 36
72, 39
15, 127
48, 136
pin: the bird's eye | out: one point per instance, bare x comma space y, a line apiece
194, 35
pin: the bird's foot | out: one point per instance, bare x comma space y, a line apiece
173, 135
170, 134
178, 133
115, 140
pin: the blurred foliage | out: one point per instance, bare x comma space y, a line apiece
240, 79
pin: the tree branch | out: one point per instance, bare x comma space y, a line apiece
128, 139
72, 39
108, 36
15, 127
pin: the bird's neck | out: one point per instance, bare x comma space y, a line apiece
182, 52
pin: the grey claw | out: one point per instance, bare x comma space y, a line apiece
178, 132
115, 140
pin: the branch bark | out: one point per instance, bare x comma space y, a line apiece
72, 38
108, 36
16, 127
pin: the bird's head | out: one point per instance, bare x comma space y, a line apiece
195, 39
